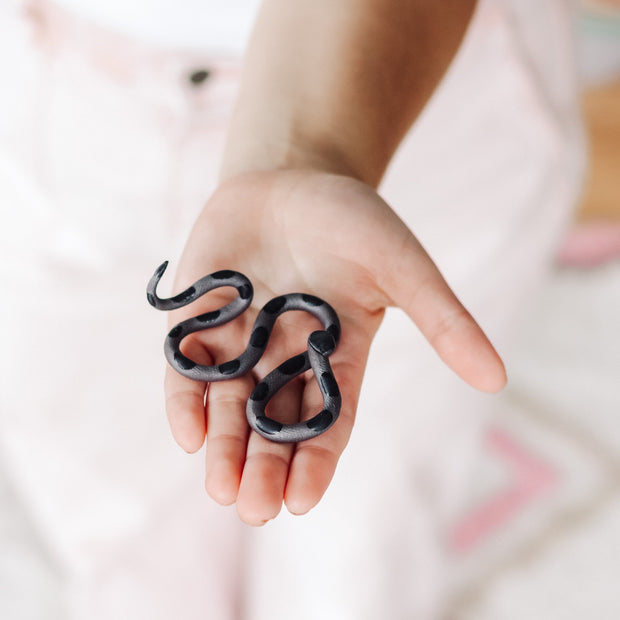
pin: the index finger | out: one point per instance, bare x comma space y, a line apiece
185, 400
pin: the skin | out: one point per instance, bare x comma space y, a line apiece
297, 211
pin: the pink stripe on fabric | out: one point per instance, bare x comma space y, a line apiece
591, 244
532, 478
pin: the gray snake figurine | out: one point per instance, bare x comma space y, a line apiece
321, 344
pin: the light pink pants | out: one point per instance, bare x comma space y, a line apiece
107, 153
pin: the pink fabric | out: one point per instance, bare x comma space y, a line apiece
591, 244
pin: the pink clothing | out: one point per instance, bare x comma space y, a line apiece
590, 244
108, 150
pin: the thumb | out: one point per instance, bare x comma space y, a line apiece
410, 279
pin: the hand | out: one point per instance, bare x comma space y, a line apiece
333, 237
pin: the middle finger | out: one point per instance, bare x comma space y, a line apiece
267, 463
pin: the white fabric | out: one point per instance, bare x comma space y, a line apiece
100, 177
217, 26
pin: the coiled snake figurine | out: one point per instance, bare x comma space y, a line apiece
321, 345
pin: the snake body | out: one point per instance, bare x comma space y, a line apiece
321, 345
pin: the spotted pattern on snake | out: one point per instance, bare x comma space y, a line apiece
321, 344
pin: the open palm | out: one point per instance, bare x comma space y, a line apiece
329, 236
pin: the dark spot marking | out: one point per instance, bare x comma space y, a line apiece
224, 274
151, 299
320, 421
267, 425
185, 295
175, 332
229, 368
329, 385
312, 300
334, 330
199, 76
260, 391
322, 342
275, 305
245, 291
293, 365
259, 337
184, 362
208, 317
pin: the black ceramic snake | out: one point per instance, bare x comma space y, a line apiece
321, 345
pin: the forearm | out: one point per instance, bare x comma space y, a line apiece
335, 85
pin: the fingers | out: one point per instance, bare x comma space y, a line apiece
251, 472
242, 466
185, 401
315, 460
413, 282
227, 432
260, 474
267, 463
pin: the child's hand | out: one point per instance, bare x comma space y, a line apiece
333, 237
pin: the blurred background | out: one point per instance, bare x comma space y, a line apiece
540, 537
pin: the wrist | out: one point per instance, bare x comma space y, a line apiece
250, 150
